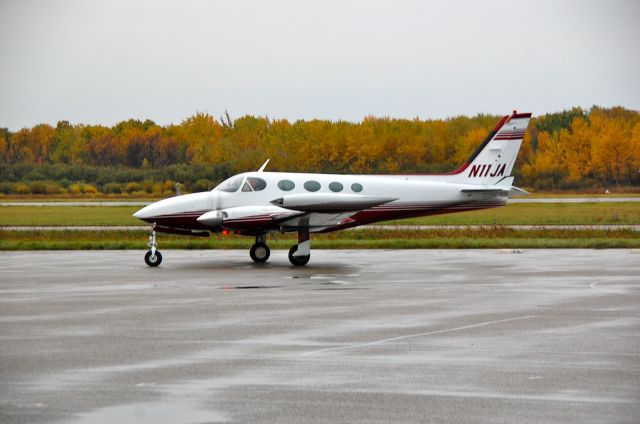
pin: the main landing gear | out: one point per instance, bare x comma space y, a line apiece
298, 260
260, 252
299, 254
153, 257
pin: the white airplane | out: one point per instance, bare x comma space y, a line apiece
258, 203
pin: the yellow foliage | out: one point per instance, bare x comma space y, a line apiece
469, 143
567, 149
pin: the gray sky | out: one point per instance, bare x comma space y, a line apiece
104, 61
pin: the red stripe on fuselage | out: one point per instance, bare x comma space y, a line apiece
371, 216
260, 224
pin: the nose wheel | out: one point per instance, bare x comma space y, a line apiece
153, 260
260, 252
153, 257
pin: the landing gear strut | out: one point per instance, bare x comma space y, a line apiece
260, 252
153, 257
300, 254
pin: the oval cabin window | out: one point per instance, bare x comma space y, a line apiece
286, 185
312, 186
336, 186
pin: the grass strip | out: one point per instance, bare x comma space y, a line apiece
68, 215
512, 214
364, 239
539, 214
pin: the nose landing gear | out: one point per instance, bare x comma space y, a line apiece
153, 257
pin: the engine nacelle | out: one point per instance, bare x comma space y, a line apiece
241, 215
211, 219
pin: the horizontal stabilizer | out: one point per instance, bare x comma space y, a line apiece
517, 191
502, 187
496, 190
329, 202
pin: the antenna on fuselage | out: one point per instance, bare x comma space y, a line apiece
264, 165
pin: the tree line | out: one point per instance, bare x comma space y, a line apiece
573, 149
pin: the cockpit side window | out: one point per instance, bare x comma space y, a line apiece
257, 184
254, 184
230, 185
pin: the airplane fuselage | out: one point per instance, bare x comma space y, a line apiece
414, 196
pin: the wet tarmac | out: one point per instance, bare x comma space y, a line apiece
357, 336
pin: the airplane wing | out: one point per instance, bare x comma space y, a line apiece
329, 202
315, 211
324, 210
315, 221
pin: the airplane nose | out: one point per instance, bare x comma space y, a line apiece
187, 203
142, 213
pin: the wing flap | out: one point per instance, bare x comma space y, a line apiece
329, 202
315, 221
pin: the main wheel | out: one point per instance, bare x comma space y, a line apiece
153, 260
259, 252
298, 260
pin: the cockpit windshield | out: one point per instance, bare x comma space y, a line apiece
230, 185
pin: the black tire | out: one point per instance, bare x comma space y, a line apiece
298, 260
260, 252
153, 261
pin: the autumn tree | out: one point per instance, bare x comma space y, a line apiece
201, 133
569, 149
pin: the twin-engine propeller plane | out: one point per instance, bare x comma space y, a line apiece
258, 203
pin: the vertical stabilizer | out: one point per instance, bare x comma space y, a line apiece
494, 159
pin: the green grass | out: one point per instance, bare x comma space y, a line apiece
496, 237
485, 237
539, 214
574, 195
68, 215
512, 214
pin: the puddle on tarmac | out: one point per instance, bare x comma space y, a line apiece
340, 288
180, 411
249, 287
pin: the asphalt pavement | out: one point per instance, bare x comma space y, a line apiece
455, 336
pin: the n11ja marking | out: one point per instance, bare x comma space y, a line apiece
483, 170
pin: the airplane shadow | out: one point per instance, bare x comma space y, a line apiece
231, 265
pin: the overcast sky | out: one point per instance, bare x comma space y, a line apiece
101, 61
